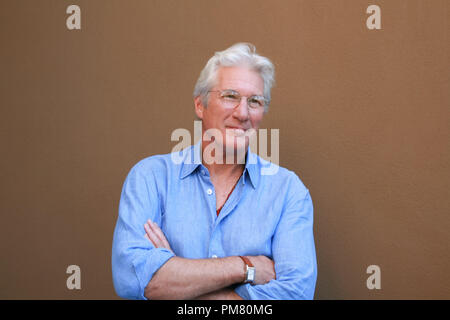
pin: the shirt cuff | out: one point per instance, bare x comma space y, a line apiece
147, 264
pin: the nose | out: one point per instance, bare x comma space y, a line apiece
241, 111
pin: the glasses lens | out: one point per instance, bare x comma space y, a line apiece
230, 98
256, 102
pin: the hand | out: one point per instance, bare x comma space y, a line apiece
265, 269
155, 235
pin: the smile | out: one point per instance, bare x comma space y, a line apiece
235, 131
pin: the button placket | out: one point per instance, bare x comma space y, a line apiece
231, 203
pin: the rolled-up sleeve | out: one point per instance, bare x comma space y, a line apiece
293, 251
134, 258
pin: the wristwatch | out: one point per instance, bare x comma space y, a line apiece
249, 270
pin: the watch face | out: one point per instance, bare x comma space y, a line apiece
251, 274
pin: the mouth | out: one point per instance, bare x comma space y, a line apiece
236, 131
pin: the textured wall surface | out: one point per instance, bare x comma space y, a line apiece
363, 118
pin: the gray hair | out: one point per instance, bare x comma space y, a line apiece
237, 55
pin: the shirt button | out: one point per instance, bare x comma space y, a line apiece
214, 256
209, 191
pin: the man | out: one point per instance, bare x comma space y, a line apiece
217, 229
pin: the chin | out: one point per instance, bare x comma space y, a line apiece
236, 144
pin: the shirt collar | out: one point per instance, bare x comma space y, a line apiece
251, 166
192, 160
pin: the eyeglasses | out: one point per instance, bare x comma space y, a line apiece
231, 99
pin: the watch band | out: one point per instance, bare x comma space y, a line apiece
246, 261
249, 270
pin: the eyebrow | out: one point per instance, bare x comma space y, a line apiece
253, 95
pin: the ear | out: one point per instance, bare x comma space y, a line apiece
199, 107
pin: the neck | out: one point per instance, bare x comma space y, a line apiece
223, 169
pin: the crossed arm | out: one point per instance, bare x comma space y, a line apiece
181, 278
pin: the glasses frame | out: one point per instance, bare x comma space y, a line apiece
248, 98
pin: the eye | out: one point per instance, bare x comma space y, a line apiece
256, 102
230, 96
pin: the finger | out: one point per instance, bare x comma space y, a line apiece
152, 231
147, 228
167, 245
146, 237
157, 235
152, 236
152, 226
155, 241
160, 234
148, 231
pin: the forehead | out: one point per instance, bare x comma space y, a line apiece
242, 79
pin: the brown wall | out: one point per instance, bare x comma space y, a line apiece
363, 118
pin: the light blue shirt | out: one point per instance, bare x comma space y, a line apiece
266, 214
